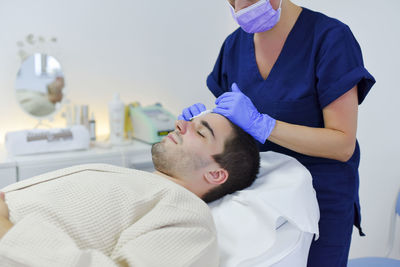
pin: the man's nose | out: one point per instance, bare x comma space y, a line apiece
182, 126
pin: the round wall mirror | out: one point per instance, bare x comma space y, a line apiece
39, 85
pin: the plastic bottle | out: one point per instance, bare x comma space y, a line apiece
85, 116
78, 115
116, 117
92, 128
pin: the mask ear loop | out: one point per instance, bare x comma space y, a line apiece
279, 10
232, 11
229, 3
280, 5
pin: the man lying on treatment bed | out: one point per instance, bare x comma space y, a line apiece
103, 215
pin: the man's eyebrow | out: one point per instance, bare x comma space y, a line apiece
205, 124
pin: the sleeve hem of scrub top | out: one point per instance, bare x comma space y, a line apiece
214, 86
358, 76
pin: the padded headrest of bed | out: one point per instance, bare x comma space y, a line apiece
246, 221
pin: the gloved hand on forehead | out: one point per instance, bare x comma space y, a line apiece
190, 112
239, 109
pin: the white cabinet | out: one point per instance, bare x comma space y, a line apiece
8, 170
133, 155
140, 161
8, 175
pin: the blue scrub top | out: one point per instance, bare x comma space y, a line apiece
319, 62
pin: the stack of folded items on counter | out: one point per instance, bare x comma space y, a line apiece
35, 141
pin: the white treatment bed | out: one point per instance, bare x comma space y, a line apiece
271, 223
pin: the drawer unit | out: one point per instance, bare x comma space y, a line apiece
8, 175
135, 155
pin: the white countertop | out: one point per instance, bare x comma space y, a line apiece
99, 149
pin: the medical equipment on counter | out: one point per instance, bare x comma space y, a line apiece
47, 140
151, 123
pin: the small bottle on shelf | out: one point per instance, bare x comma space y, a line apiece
92, 128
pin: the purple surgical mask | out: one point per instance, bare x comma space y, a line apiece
259, 17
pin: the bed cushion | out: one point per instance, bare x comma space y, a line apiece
247, 220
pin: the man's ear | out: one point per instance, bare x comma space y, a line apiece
216, 177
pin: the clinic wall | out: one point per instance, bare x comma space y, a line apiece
162, 51
149, 51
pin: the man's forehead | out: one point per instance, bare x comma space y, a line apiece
218, 123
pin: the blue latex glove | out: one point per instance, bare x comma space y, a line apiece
190, 112
239, 109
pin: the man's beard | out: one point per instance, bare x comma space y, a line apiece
158, 155
177, 163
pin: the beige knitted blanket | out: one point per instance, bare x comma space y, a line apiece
103, 215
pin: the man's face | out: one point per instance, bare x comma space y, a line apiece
190, 147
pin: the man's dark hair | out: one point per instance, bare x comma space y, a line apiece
241, 158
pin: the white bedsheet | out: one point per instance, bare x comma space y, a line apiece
290, 249
247, 220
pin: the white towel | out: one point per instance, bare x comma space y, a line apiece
246, 221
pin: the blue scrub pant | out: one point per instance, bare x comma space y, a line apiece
332, 247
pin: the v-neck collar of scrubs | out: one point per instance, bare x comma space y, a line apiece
286, 46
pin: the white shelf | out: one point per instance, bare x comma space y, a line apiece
134, 154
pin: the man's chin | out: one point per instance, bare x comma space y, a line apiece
157, 148
159, 158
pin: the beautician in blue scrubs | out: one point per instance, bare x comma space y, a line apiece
293, 78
